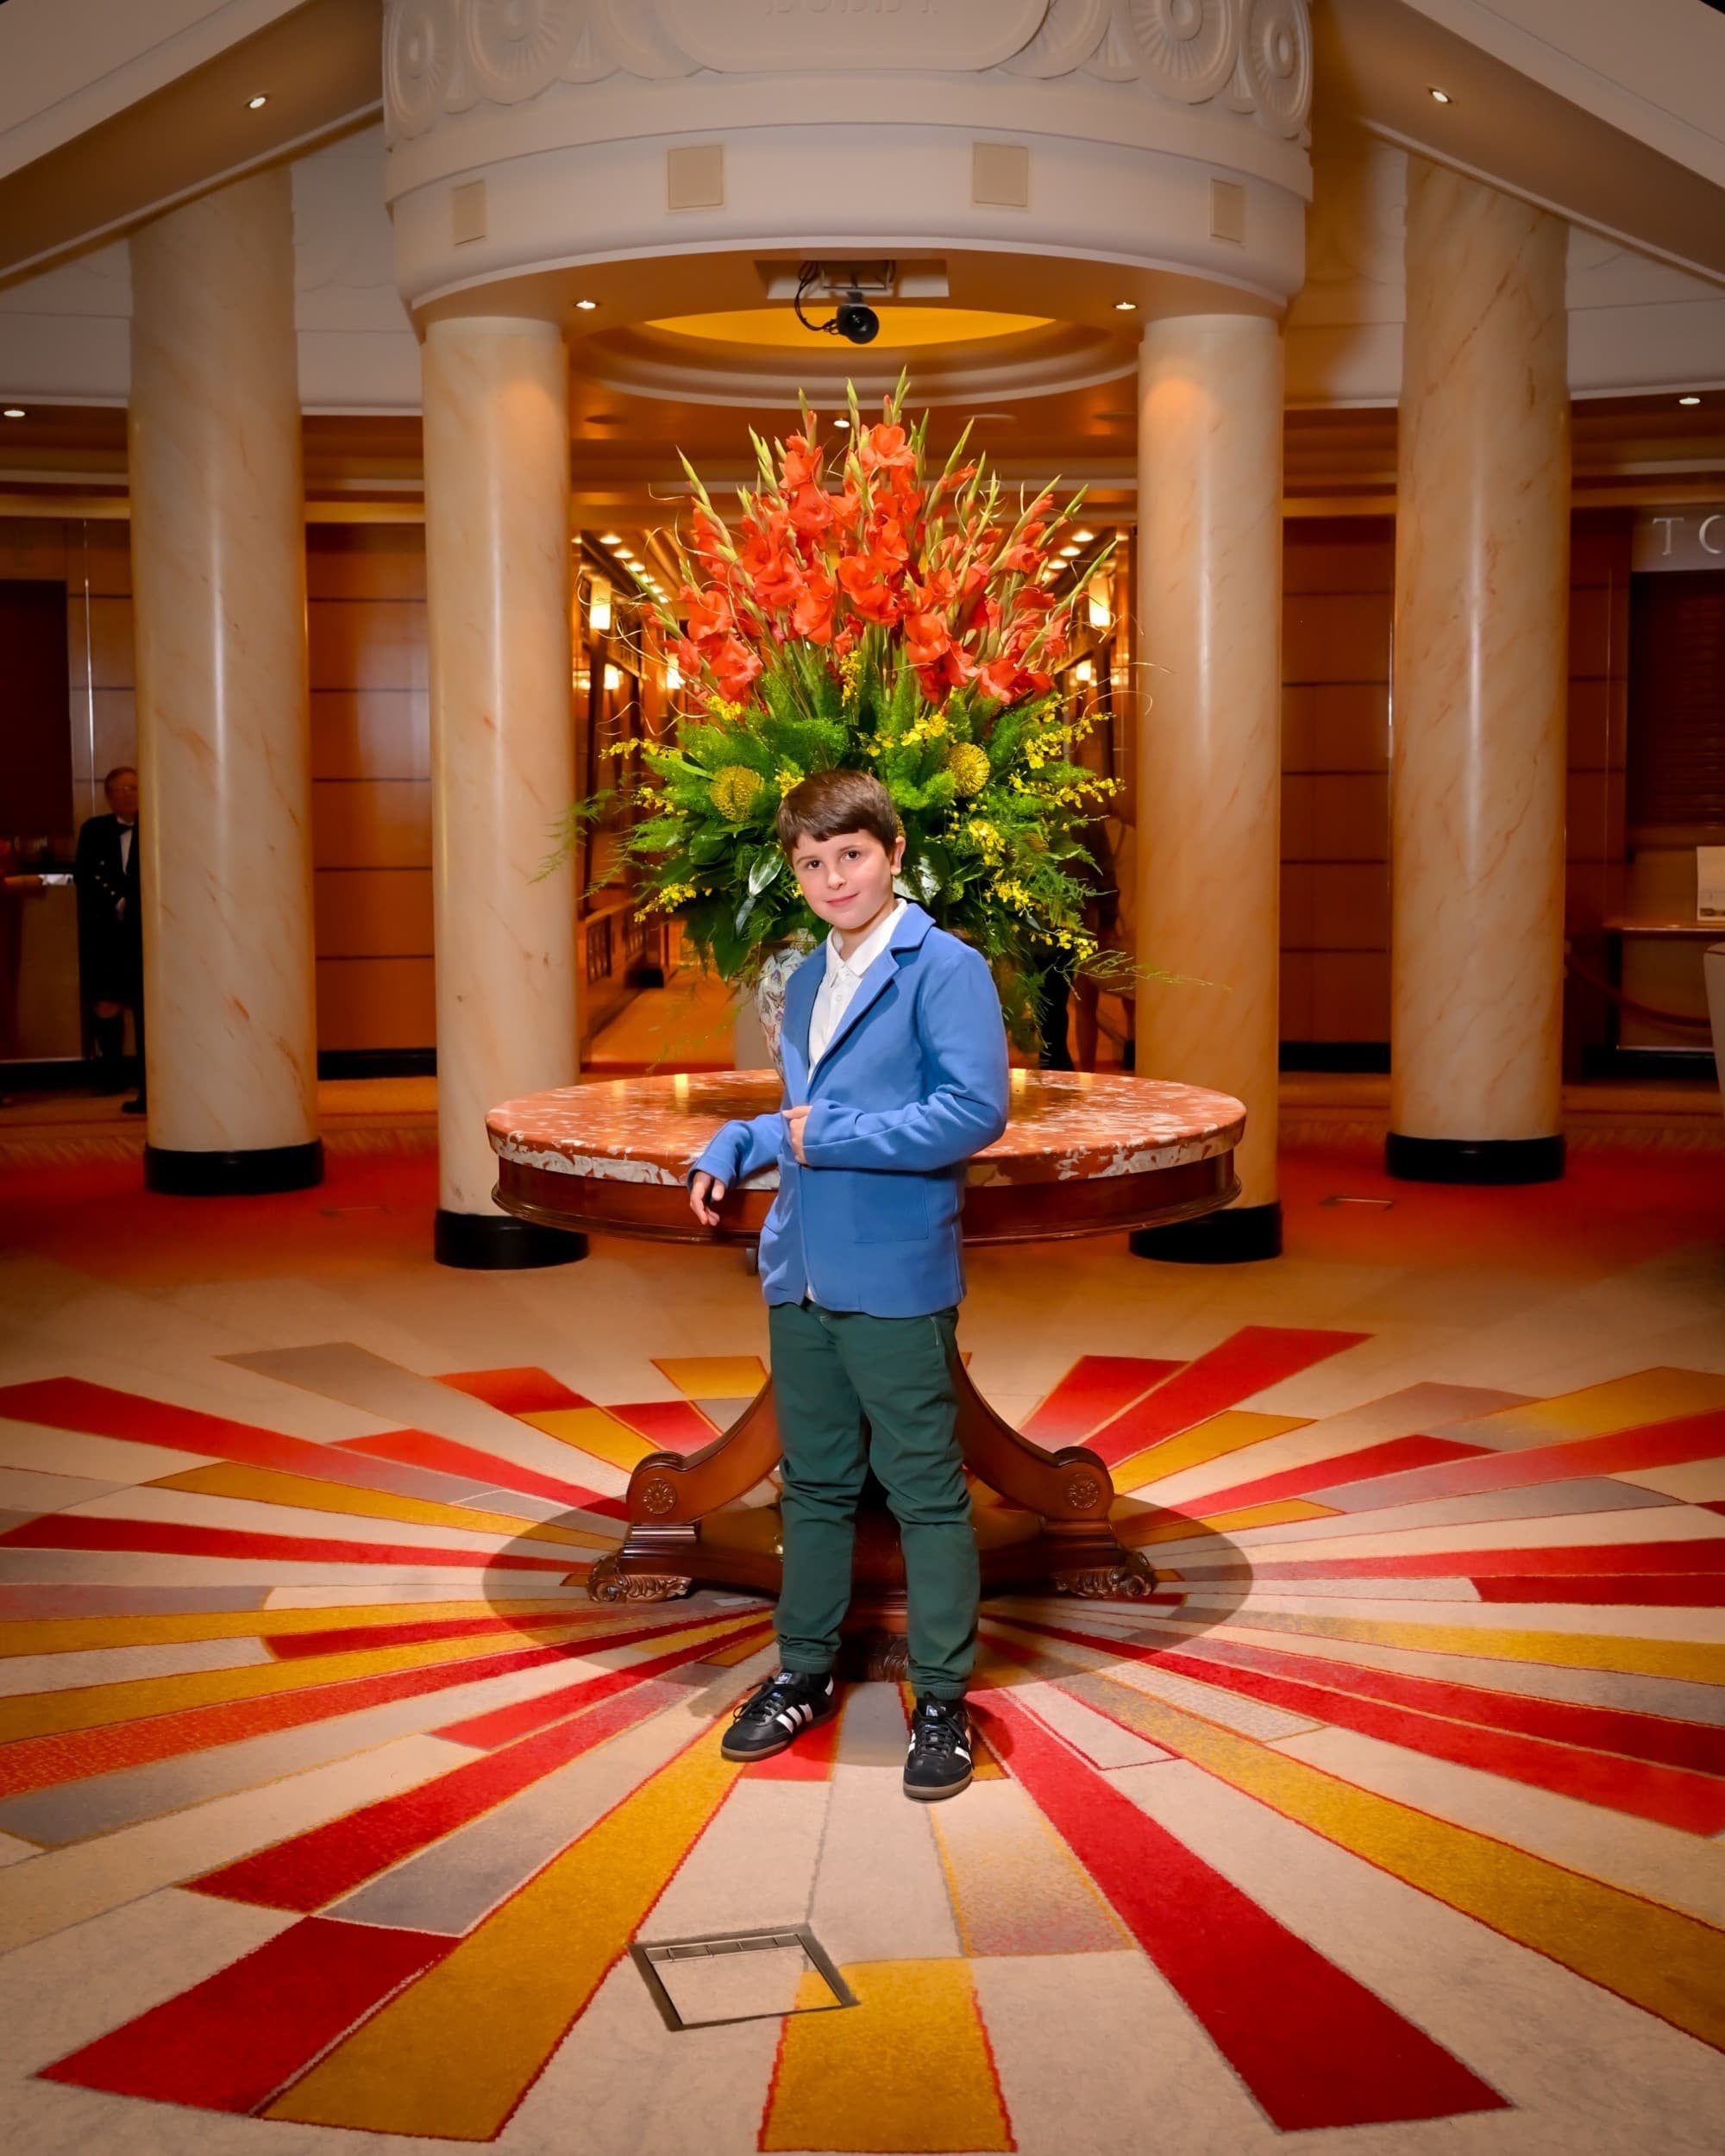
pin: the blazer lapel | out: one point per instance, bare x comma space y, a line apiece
800, 995
913, 925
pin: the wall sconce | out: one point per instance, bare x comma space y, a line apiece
614, 681
1101, 604
1084, 674
673, 677
599, 605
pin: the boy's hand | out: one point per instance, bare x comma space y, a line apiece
704, 1193
794, 1120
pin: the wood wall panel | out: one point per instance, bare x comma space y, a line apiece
371, 824
372, 913
365, 561
367, 643
371, 734
375, 1003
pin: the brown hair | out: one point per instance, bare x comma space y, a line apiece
828, 802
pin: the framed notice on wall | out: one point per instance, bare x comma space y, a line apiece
1709, 883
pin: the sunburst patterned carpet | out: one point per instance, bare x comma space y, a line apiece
331, 1805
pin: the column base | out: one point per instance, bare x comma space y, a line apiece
257, 1172
1454, 1160
497, 1242
1237, 1235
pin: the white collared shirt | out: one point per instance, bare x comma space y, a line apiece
841, 981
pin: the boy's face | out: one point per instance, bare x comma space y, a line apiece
848, 879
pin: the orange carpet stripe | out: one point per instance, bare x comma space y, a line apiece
1230, 1432
907, 2068
1600, 1411
713, 1376
263, 1486
453, 2055
93, 1706
595, 1432
1699, 1662
75, 1635
1281, 1511
1669, 1964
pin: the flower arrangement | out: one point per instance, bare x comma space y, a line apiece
896, 621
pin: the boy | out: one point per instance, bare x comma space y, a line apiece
895, 1072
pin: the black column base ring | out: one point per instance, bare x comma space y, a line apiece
1237, 1235
259, 1172
1492, 1160
498, 1243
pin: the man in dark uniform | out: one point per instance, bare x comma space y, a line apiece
110, 930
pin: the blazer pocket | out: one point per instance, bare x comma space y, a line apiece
888, 1209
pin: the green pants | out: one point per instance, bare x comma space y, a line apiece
855, 1392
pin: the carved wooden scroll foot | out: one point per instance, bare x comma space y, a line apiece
1130, 1580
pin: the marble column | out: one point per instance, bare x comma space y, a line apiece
503, 772
218, 574
1477, 734
1209, 766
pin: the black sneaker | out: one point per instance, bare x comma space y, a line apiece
939, 1761
785, 1706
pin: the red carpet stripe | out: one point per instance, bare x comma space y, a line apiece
1094, 1391
676, 1425
527, 1390
503, 1725
1670, 1590
419, 1448
1694, 1804
579, 1627
1695, 1748
71, 1403
161, 1537
39, 1763
229, 2043
320, 1865
1585, 1559
1373, 1460
1255, 1356
1314, 2047
1650, 1446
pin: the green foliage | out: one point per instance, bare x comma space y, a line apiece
996, 867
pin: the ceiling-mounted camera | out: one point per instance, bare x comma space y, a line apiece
854, 320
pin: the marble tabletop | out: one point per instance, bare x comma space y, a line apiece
1066, 1126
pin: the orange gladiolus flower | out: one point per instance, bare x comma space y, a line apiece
885, 447
802, 464
927, 639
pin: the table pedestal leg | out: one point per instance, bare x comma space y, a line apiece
687, 1523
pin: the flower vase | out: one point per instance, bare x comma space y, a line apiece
770, 985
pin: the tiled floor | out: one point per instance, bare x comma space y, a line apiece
329, 1805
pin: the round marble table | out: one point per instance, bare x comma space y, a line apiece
1083, 1154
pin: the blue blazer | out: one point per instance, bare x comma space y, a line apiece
912, 1082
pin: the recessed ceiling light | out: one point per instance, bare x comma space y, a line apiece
587, 306
1125, 306
256, 104
1067, 553
1081, 537
845, 423
611, 538
15, 411
1439, 97
1682, 400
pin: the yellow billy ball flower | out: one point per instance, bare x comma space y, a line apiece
735, 790
969, 767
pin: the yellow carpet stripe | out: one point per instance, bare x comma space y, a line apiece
1230, 1432
1700, 1662
594, 1432
1599, 1411
1280, 1513
267, 1486
907, 2068
713, 1376
1670, 1965
76, 1635
452, 2055
94, 1705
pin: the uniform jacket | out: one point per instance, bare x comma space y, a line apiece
111, 945
912, 1082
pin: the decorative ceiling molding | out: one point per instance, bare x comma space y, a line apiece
1247, 58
